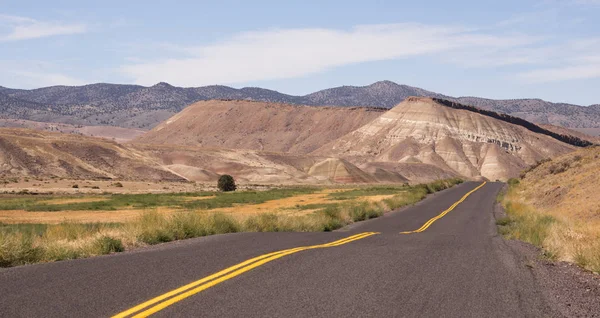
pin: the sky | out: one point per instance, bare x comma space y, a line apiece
547, 49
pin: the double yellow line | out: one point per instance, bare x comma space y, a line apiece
159, 303
441, 215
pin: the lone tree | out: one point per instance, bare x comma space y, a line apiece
226, 183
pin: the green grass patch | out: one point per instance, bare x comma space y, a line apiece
151, 200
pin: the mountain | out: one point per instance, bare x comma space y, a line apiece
420, 136
133, 106
381, 94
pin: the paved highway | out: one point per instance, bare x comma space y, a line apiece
439, 258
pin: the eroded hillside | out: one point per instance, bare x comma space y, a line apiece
29, 153
421, 130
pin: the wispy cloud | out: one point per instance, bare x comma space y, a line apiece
571, 60
287, 53
36, 73
557, 74
41, 79
24, 28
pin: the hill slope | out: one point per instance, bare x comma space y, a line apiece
258, 126
33, 154
421, 130
28, 153
556, 206
132, 106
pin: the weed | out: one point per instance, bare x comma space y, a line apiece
503, 221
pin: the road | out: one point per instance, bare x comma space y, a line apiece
457, 267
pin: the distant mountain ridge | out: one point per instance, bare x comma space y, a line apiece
134, 106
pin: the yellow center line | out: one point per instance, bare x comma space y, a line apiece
193, 288
441, 215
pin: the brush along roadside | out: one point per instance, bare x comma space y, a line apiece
32, 243
561, 237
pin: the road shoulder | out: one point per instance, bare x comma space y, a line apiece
568, 290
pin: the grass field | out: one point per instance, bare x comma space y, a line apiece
189, 215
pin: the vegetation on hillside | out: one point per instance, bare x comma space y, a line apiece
555, 206
571, 140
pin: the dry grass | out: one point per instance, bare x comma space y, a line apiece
24, 244
556, 206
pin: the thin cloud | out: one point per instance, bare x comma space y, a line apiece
40, 79
288, 53
24, 28
559, 74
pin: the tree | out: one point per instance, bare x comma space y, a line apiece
226, 183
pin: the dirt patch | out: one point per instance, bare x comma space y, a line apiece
282, 205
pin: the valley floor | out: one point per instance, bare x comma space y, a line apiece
49, 227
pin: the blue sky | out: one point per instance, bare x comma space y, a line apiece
547, 49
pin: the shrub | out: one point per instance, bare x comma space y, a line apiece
18, 249
153, 229
75, 186
118, 184
107, 245
226, 183
513, 182
267, 222
559, 168
220, 224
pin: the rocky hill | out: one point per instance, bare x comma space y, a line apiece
132, 106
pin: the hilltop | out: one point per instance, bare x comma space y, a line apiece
139, 107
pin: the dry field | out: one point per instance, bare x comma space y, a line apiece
40, 228
297, 204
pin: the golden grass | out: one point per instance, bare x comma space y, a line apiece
120, 216
557, 207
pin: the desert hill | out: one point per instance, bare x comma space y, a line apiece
115, 133
28, 153
421, 136
425, 130
139, 107
263, 126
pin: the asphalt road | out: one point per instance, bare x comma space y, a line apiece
457, 267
